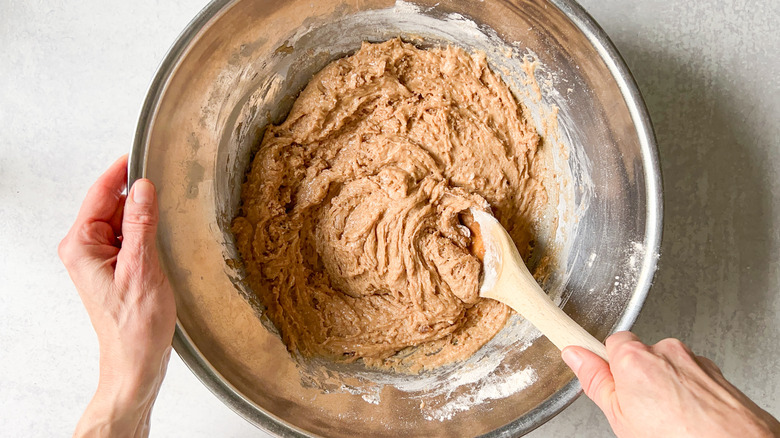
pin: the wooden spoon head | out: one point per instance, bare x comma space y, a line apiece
488, 239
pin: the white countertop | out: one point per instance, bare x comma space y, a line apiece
73, 76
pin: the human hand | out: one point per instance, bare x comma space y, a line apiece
110, 253
665, 390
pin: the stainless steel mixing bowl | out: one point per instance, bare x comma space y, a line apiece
238, 66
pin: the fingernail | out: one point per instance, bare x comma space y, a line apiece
572, 358
143, 192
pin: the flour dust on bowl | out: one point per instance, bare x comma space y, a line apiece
240, 65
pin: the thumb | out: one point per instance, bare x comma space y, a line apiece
139, 229
594, 375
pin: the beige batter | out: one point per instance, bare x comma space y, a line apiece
351, 220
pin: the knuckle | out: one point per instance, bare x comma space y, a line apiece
671, 343
86, 232
619, 338
62, 250
633, 348
630, 356
141, 217
66, 250
672, 347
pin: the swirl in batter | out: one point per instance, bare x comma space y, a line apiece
350, 225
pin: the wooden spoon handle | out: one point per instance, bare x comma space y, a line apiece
518, 289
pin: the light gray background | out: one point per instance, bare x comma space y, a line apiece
73, 76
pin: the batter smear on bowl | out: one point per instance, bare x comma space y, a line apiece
350, 226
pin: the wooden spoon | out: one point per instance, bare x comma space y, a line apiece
506, 279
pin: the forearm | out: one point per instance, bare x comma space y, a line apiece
122, 405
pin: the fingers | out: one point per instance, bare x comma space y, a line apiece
116, 220
594, 375
104, 197
616, 340
95, 226
139, 230
674, 351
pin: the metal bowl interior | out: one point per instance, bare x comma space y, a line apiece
239, 65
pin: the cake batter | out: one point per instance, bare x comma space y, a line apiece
351, 220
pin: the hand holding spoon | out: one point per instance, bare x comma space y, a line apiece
507, 279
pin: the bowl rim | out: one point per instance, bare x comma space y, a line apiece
553, 405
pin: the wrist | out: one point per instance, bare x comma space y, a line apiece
110, 414
124, 395
131, 377
123, 400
